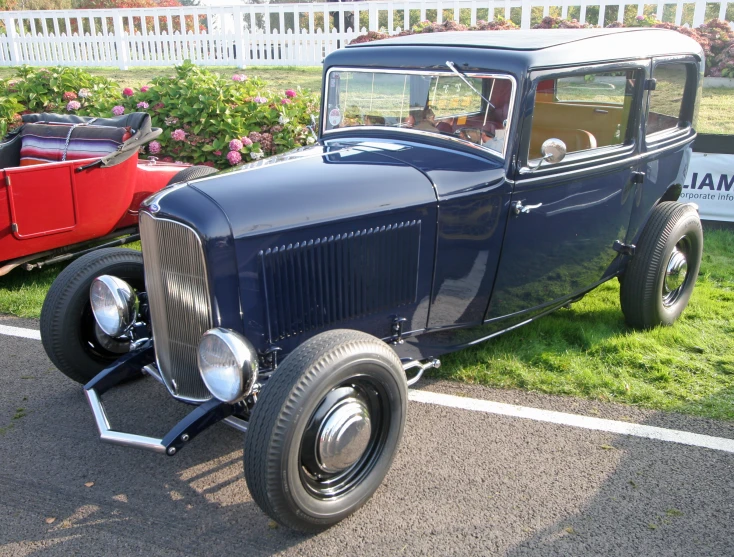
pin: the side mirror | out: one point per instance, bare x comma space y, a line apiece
553, 150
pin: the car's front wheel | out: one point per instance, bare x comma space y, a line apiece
325, 429
69, 333
660, 277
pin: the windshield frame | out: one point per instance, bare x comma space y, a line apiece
440, 73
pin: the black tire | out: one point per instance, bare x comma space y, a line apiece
281, 460
69, 333
647, 291
191, 173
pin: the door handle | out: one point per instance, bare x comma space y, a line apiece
518, 207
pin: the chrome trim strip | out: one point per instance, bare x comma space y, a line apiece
509, 77
152, 370
236, 423
107, 434
433, 363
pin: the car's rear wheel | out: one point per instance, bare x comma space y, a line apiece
660, 277
69, 333
325, 429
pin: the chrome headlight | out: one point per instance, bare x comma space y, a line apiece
227, 363
114, 304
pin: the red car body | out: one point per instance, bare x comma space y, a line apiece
46, 207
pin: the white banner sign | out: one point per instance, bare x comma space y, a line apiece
710, 184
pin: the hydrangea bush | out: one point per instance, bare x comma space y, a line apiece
715, 37
206, 118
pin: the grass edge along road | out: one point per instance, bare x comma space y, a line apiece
585, 351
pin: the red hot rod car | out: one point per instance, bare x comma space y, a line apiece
70, 181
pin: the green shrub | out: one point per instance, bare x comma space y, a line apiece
201, 113
51, 90
9, 109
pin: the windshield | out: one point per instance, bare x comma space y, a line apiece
439, 103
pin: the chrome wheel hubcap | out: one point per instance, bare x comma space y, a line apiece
675, 276
344, 435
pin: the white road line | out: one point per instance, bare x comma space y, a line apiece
561, 418
575, 420
20, 332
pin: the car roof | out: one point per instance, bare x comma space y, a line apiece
530, 39
543, 47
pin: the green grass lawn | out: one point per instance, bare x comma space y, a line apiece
277, 77
586, 350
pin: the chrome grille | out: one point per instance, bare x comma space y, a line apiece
178, 296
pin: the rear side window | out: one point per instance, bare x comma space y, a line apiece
667, 99
584, 111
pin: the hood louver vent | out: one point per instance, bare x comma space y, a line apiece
316, 283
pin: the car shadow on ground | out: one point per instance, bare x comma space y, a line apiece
463, 483
90, 487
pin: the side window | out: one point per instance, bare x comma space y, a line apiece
667, 99
584, 111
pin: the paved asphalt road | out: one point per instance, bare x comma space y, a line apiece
463, 483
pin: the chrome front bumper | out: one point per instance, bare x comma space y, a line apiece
132, 365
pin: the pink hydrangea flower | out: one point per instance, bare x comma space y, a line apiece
144, 88
235, 145
69, 96
158, 106
218, 153
290, 93
246, 141
209, 164
118, 110
128, 92
142, 104
239, 77
640, 17
154, 147
260, 100
167, 159
178, 135
234, 157
285, 101
73, 105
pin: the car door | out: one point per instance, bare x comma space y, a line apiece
566, 216
668, 133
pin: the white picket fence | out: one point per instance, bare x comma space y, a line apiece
249, 34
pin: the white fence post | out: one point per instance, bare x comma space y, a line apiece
120, 41
525, 15
699, 13
13, 38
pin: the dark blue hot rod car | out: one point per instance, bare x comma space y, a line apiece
462, 184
